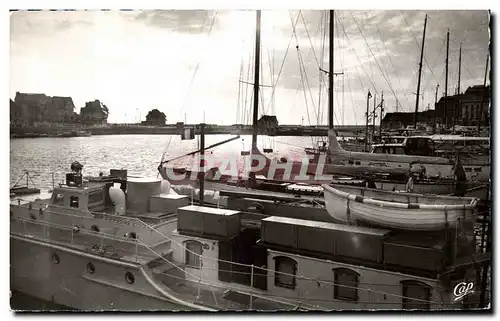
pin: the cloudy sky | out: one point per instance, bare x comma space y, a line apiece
196, 64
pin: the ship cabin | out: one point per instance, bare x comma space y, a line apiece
317, 265
113, 205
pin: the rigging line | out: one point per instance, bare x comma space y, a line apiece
249, 92
272, 81
352, 101
357, 57
405, 94
303, 72
261, 90
284, 58
343, 76
197, 65
418, 45
304, 76
321, 73
309, 58
304, 90
310, 41
373, 55
443, 45
240, 84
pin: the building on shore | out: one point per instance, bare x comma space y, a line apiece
94, 113
40, 109
268, 125
155, 118
461, 109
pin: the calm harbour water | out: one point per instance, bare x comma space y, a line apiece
139, 154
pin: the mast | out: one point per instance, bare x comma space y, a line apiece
435, 106
374, 116
202, 162
459, 67
330, 73
484, 92
458, 89
381, 112
256, 83
446, 80
420, 72
367, 112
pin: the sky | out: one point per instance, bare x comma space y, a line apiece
196, 65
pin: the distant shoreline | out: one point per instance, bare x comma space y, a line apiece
112, 129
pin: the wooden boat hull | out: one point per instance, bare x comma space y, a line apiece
24, 190
407, 211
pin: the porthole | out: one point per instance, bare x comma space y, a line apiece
55, 258
94, 228
129, 277
131, 235
90, 268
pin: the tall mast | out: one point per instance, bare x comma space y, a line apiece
381, 112
374, 116
446, 79
367, 117
330, 73
435, 106
420, 72
458, 89
459, 67
256, 83
484, 91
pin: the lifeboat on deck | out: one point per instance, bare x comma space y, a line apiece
406, 211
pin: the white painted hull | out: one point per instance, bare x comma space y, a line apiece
69, 284
397, 210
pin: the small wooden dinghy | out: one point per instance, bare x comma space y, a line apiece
407, 211
24, 190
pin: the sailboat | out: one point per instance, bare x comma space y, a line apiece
338, 161
390, 171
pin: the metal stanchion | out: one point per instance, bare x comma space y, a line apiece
251, 289
137, 249
199, 279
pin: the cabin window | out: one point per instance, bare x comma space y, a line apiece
357, 163
74, 201
194, 250
285, 270
58, 199
416, 295
95, 197
346, 284
399, 151
477, 169
468, 169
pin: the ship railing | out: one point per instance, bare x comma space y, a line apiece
135, 222
304, 301
109, 243
367, 287
119, 219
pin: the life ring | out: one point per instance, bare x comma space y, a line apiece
474, 177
